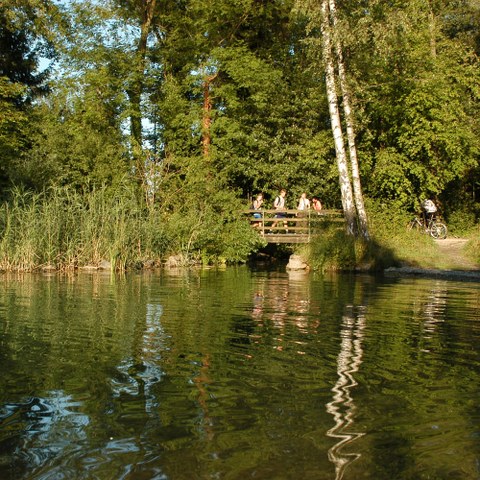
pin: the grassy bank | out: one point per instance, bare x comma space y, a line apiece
64, 230
391, 245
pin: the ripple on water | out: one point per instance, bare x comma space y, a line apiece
237, 375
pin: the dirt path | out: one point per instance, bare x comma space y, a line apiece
451, 249
453, 264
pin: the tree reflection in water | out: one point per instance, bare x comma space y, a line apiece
342, 407
432, 312
138, 374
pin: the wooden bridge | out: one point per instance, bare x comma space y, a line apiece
290, 226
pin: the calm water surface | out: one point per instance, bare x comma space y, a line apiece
238, 374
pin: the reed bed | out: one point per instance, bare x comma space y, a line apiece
64, 229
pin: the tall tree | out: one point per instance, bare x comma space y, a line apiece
25, 34
343, 172
416, 87
349, 121
144, 10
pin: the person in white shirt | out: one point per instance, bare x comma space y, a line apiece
303, 202
430, 209
279, 204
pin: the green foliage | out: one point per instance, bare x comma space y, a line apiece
13, 124
421, 102
76, 143
26, 33
205, 219
247, 76
461, 222
66, 229
473, 246
393, 244
390, 178
333, 249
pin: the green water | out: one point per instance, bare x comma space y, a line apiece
238, 374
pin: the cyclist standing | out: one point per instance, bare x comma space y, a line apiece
427, 222
430, 209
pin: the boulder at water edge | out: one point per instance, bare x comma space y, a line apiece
296, 262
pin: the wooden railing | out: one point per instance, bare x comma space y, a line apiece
291, 225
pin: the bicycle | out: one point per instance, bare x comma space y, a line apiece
437, 230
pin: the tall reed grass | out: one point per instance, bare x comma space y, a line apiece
64, 229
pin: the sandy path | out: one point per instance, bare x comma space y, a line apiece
452, 251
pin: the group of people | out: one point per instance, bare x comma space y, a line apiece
279, 205
304, 203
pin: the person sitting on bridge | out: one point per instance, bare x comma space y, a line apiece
257, 205
303, 202
316, 204
303, 205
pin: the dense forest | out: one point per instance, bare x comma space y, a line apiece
139, 128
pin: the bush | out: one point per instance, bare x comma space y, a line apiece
390, 244
332, 249
473, 246
461, 222
393, 244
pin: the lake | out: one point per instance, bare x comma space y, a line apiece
237, 373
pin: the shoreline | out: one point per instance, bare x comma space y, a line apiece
445, 274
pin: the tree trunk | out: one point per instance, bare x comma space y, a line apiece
135, 89
357, 187
206, 115
433, 31
343, 173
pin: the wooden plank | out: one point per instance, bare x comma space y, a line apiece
286, 238
294, 211
283, 228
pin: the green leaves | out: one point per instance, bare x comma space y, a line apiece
240, 76
417, 86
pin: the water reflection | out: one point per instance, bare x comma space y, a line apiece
281, 301
342, 407
202, 380
229, 375
38, 430
139, 373
432, 309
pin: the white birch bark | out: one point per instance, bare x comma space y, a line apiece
352, 149
343, 173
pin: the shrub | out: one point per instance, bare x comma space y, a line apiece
461, 222
332, 249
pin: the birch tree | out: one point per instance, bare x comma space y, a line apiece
349, 121
343, 172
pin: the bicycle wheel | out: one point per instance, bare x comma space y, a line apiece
438, 231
